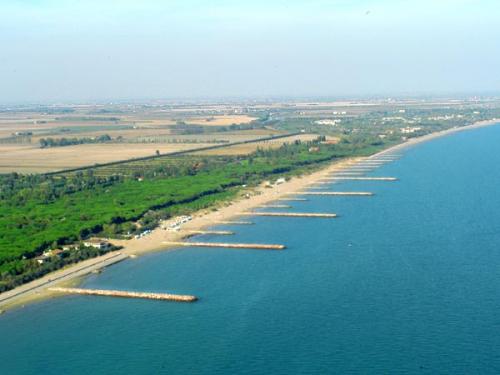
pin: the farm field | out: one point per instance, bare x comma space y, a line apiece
136, 130
27, 159
129, 133
161, 135
114, 124
30, 158
212, 137
248, 148
217, 120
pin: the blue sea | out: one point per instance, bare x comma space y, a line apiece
404, 282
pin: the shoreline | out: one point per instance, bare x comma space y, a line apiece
36, 290
431, 136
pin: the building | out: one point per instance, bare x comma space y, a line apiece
69, 247
97, 244
332, 122
410, 130
48, 254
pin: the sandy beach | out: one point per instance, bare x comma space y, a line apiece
251, 199
254, 198
265, 195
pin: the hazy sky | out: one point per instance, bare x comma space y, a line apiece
60, 50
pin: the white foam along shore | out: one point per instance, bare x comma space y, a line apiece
38, 289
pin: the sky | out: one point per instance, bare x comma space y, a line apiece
95, 50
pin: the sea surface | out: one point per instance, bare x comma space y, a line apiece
404, 282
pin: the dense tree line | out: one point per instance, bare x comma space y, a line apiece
61, 142
17, 189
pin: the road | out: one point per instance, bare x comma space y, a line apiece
75, 270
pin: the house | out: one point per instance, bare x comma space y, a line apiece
48, 254
52, 253
97, 244
410, 130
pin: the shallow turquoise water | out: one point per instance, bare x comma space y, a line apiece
405, 282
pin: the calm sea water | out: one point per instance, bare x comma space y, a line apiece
405, 282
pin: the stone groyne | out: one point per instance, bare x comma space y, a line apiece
126, 294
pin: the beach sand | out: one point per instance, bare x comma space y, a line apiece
259, 196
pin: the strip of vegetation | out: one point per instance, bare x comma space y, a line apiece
61, 142
168, 140
182, 128
16, 139
87, 118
